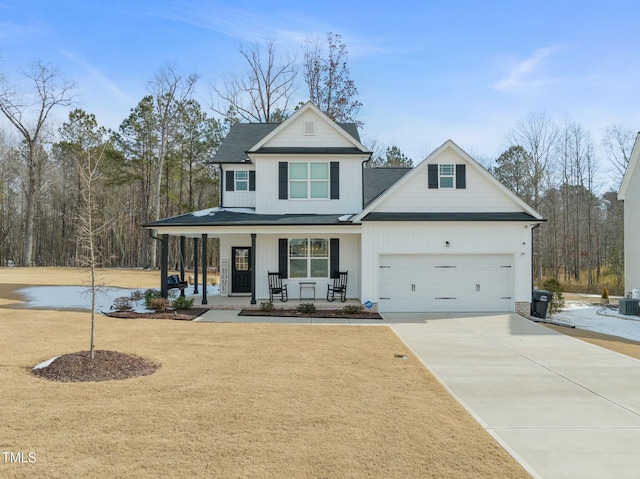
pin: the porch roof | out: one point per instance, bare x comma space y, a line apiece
245, 217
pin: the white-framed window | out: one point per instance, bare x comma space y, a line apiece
309, 180
308, 258
446, 176
242, 180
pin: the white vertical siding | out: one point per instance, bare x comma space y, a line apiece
268, 202
238, 199
469, 238
267, 259
480, 194
632, 233
226, 243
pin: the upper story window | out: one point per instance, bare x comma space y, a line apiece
309, 180
446, 176
242, 180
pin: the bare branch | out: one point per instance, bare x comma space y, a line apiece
265, 87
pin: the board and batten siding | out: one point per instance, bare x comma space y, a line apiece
479, 195
237, 199
267, 184
465, 238
267, 260
632, 233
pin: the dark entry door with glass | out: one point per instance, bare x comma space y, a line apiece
241, 270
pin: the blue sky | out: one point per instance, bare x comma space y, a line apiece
426, 71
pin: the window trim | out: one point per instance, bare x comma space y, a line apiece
309, 258
308, 181
451, 176
238, 181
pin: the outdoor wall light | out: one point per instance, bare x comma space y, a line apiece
447, 244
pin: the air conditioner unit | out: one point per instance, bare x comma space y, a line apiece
629, 306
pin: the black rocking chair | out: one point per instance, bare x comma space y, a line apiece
339, 287
276, 287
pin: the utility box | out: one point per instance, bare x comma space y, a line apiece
629, 306
540, 303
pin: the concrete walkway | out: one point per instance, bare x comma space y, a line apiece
562, 407
231, 316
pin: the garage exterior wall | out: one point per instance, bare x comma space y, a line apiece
472, 238
632, 232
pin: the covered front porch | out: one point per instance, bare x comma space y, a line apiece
307, 251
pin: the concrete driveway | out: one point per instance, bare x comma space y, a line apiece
562, 407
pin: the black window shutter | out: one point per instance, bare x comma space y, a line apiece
229, 181
433, 176
334, 174
252, 180
461, 177
334, 255
283, 257
283, 180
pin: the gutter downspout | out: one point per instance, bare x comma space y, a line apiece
533, 227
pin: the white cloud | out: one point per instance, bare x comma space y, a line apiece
99, 78
526, 74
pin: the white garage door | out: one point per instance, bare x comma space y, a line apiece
446, 283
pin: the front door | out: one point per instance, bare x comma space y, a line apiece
241, 270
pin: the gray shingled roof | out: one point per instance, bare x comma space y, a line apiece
243, 136
221, 217
378, 180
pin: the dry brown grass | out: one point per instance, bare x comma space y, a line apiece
620, 345
229, 401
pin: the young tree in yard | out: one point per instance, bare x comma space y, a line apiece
327, 76
28, 112
263, 92
84, 142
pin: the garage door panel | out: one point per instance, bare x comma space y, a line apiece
446, 283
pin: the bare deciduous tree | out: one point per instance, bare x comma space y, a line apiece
327, 76
28, 112
263, 92
617, 144
83, 142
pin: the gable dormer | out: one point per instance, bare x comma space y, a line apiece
309, 164
448, 181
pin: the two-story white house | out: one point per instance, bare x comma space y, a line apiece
296, 198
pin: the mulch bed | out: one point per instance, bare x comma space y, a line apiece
178, 314
320, 313
105, 366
